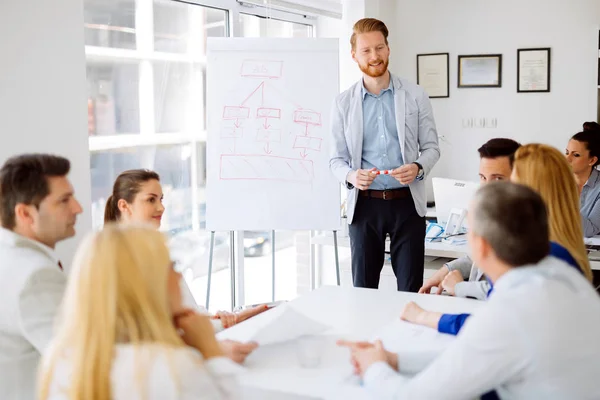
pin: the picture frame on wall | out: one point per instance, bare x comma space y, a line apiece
533, 70
433, 74
480, 71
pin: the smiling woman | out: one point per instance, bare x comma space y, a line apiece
137, 195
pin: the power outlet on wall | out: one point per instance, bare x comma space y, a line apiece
480, 123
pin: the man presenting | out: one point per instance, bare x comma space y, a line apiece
384, 144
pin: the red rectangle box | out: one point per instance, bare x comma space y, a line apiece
236, 112
262, 68
307, 117
307, 142
231, 133
265, 168
268, 112
268, 135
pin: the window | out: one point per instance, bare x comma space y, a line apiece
146, 74
255, 26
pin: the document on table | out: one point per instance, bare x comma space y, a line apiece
289, 325
415, 345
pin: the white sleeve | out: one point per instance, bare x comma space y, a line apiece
225, 374
189, 301
39, 303
486, 354
216, 379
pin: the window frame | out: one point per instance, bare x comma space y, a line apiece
145, 56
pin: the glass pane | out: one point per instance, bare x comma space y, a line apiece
183, 28
113, 98
258, 248
178, 97
255, 26
110, 23
173, 164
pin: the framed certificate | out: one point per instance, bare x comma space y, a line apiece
533, 70
433, 74
480, 71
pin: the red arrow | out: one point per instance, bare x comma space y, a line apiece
237, 123
303, 154
266, 125
267, 150
306, 131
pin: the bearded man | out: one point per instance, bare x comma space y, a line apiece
384, 144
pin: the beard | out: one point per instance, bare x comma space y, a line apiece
374, 71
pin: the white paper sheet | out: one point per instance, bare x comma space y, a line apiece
415, 345
593, 240
288, 325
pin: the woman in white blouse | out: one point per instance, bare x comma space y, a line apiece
123, 332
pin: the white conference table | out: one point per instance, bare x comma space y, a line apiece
274, 372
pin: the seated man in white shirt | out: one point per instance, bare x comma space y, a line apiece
462, 278
37, 210
535, 338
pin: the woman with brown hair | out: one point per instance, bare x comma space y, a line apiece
137, 197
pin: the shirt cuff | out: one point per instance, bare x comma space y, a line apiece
348, 184
377, 372
461, 289
451, 323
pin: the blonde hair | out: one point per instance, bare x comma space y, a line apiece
117, 293
367, 25
545, 169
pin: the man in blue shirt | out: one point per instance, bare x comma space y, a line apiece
384, 143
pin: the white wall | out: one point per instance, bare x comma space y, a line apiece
570, 28
42, 91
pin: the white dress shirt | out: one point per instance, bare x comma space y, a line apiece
535, 338
156, 372
31, 289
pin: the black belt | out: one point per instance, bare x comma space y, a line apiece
390, 194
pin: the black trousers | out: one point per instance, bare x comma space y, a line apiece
373, 220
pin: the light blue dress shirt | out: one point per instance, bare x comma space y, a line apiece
590, 205
381, 148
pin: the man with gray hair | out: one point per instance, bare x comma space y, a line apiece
535, 338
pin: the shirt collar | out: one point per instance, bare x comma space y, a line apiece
593, 179
365, 92
13, 239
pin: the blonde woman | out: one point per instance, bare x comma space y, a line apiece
544, 169
118, 335
137, 198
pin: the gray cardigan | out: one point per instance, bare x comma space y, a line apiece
475, 284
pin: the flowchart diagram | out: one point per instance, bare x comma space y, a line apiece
267, 135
